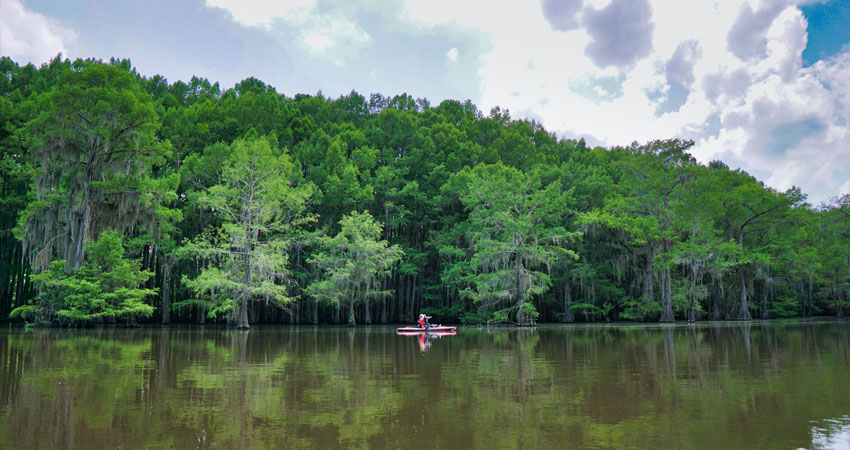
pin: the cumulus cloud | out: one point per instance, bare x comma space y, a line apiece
562, 15
27, 36
322, 32
621, 32
786, 42
733, 85
726, 74
746, 39
792, 133
260, 13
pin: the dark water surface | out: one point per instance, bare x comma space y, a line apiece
782, 385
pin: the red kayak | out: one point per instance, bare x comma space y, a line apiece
434, 329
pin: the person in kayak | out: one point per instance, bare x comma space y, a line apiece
423, 321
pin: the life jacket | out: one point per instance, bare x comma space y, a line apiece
422, 322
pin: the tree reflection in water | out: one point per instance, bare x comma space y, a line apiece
689, 386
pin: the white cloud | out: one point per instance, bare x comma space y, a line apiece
482, 15
622, 32
27, 36
261, 13
788, 125
844, 189
452, 54
323, 33
740, 92
562, 14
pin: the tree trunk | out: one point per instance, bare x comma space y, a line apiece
400, 290
764, 295
520, 315
649, 289
411, 310
568, 312
811, 288
254, 314
691, 307
840, 310
243, 312
246, 292
416, 305
82, 232
384, 309
666, 288
666, 296
764, 299
718, 293
166, 290
367, 314
351, 321
166, 297
744, 312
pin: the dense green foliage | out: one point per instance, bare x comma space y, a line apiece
352, 264
246, 257
106, 287
318, 210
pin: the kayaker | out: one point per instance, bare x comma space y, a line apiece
423, 321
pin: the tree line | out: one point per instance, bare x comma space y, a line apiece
129, 199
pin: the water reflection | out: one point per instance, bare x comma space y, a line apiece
696, 386
425, 339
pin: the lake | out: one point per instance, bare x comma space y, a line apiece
759, 385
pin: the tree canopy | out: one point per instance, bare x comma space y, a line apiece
247, 205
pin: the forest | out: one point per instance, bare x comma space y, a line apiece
128, 199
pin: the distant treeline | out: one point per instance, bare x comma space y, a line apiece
127, 199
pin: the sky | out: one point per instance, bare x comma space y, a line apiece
763, 85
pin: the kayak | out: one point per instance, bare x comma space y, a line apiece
434, 329
426, 334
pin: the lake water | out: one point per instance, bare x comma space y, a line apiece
782, 385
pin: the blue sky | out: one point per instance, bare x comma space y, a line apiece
828, 29
760, 84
